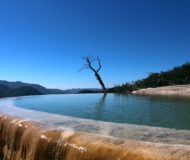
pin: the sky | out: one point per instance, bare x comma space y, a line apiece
42, 41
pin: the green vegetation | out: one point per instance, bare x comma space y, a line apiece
176, 76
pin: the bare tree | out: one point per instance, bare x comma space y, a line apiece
88, 65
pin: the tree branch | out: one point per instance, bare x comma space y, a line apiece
88, 65
89, 60
100, 66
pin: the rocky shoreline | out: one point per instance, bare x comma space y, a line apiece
176, 90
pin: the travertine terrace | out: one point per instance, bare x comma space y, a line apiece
177, 90
24, 140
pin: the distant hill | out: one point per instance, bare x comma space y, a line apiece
177, 76
3, 90
21, 91
89, 91
10, 89
83, 90
41, 89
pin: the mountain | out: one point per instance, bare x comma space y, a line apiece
3, 90
82, 90
41, 89
21, 91
22, 88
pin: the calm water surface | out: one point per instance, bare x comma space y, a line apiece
167, 112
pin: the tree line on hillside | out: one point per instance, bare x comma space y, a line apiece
176, 76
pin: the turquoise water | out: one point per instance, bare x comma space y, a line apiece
170, 112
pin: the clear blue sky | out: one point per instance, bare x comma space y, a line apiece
42, 41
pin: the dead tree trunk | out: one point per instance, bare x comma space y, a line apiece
88, 65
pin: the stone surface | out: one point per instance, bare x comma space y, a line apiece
176, 90
21, 139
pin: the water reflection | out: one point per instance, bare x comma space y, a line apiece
99, 107
161, 111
